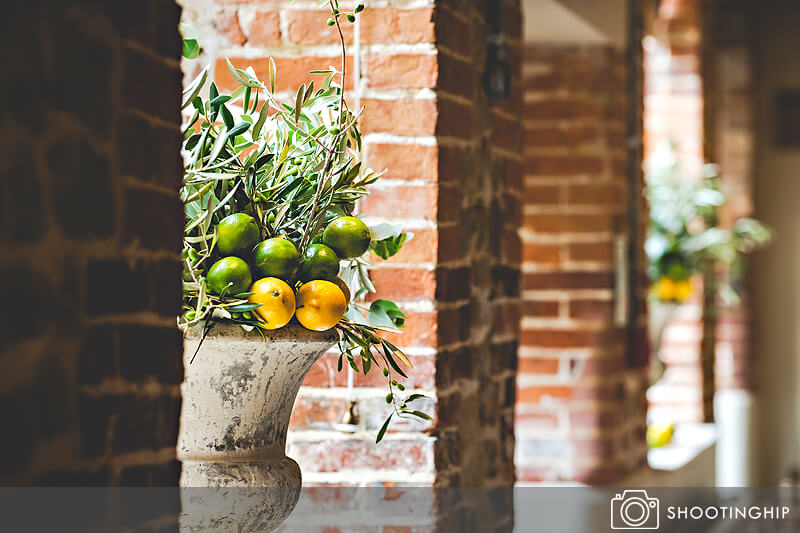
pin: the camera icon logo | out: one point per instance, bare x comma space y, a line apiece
634, 509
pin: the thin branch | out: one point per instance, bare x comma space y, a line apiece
320, 185
342, 104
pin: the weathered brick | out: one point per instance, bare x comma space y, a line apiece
455, 119
144, 423
540, 308
148, 352
600, 252
411, 117
453, 284
95, 416
82, 72
609, 195
567, 280
113, 286
401, 71
139, 93
397, 25
75, 168
454, 325
456, 76
560, 338
27, 288
573, 223
564, 165
163, 232
404, 161
98, 358
591, 309
538, 393
227, 24
402, 201
420, 249
26, 224
264, 29
538, 365
404, 283
291, 72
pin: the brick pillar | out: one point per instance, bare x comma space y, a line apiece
581, 412
730, 142
90, 230
454, 179
478, 271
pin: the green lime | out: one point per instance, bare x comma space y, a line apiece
276, 258
321, 262
230, 272
237, 234
348, 236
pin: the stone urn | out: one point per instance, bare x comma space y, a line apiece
238, 395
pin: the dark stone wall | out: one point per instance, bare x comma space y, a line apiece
90, 230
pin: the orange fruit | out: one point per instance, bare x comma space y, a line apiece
276, 299
321, 304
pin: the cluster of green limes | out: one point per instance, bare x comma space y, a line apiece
277, 265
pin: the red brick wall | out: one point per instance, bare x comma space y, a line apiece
580, 412
454, 179
90, 229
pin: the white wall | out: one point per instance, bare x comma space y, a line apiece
777, 269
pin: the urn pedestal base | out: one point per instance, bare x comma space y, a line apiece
238, 396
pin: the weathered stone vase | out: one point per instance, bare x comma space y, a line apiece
238, 396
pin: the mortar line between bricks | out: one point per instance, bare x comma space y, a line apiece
464, 386
568, 267
443, 94
398, 94
135, 183
167, 61
296, 51
390, 138
144, 318
528, 237
119, 387
150, 119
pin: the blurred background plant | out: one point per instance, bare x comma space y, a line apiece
684, 236
687, 247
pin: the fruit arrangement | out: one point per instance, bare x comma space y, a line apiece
270, 191
286, 285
